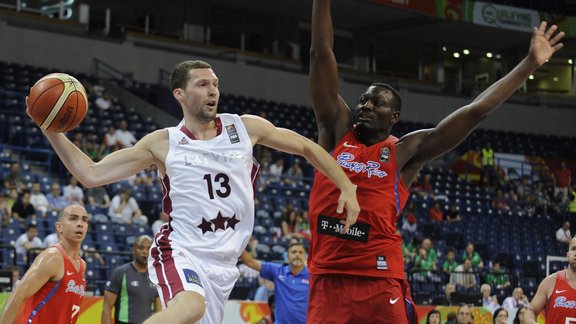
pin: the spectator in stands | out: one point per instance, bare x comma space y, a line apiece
295, 173
464, 315
446, 300
28, 241
453, 215
265, 289
55, 199
408, 250
23, 209
473, 256
302, 227
435, 213
409, 222
424, 264
496, 277
162, 218
90, 147
124, 137
424, 188
489, 302
430, 250
500, 316
517, 299
98, 200
145, 177
291, 283
523, 188
563, 234
520, 314
499, 202
38, 199
463, 276
109, 142
105, 101
433, 317
50, 240
125, 209
129, 289
14, 179
449, 264
74, 193
288, 223
562, 179
275, 170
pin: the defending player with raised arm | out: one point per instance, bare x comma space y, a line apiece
557, 294
383, 167
207, 172
52, 290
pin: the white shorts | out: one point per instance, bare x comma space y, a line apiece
173, 270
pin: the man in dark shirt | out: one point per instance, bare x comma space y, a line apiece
23, 209
129, 290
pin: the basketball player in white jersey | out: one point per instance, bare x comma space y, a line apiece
207, 171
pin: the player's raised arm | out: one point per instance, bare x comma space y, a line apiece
264, 133
114, 167
46, 266
427, 145
332, 114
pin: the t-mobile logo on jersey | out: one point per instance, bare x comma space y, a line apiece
332, 226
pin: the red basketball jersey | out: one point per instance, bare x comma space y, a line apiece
561, 306
57, 301
371, 247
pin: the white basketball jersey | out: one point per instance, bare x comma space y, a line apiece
208, 190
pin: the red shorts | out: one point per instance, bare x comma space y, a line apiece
340, 298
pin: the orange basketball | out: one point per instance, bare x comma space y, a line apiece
57, 102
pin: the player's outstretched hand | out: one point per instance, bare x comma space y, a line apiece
349, 202
545, 42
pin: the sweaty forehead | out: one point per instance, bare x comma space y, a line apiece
202, 74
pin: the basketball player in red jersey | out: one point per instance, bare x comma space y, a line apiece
358, 277
53, 288
557, 294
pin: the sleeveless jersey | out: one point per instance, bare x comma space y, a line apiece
561, 306
208, 191
57, 302
371, 247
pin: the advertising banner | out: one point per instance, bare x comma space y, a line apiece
505, 17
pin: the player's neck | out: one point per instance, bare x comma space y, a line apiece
571, 275
202, 130
370, 138
72, 249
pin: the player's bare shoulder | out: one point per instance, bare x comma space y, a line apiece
51, 262
548, 284
157, 143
